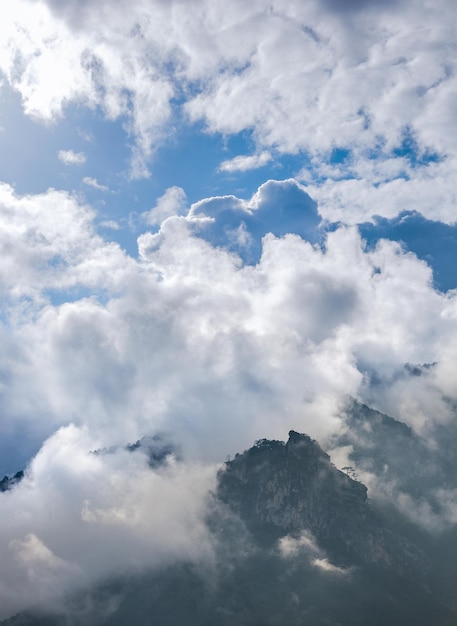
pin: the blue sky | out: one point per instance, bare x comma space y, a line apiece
217, 221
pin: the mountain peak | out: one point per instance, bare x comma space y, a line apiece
295, 437
280, 489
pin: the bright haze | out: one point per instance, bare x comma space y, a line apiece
218, 221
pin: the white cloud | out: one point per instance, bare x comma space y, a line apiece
243, 163
302, 76
243, 348
50, 243
69, 157
92, 182
172, 202
187, 341
290, 546
78, 517
386, 188
305, 546
326, 566
111, 224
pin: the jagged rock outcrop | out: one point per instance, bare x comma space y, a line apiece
8, 482
285, 488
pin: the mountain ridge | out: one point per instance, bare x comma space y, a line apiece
296, 541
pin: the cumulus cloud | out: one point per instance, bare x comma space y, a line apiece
190, 339
69, 157
49, 243
240, 225
172, 202
100, 349
432, 241
374, 191
303, 77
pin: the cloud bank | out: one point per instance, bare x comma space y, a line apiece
79, 518
100, 349
374, 79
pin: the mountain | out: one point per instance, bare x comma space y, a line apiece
297, 542
280, 489
8, 482
374, 568
391, 450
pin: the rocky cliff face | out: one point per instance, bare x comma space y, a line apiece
281, 489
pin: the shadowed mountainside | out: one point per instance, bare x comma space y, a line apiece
296, 541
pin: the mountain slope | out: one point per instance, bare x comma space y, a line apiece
296, 541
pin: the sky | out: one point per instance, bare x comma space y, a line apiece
218, 220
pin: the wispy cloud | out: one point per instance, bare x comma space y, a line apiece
110, 224
244, 163
92, 182
69, 157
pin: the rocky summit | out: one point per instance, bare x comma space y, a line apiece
284, 488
